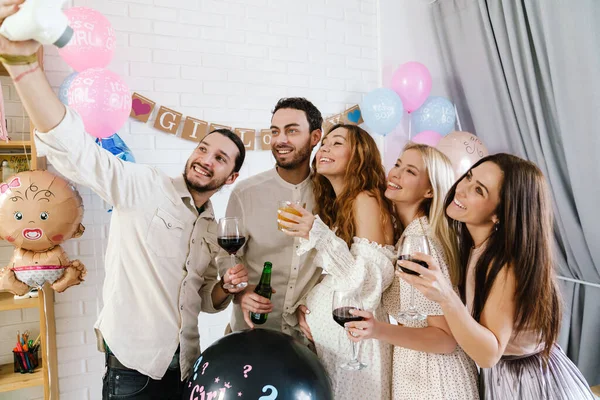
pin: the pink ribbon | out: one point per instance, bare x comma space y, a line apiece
14, 183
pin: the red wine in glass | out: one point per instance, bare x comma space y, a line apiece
342, 315
231, 244
409, 258
342, 303
231, 238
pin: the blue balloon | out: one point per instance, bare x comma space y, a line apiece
436, 114
116, 146
63, 92
382, 110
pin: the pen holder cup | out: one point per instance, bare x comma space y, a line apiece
26, 361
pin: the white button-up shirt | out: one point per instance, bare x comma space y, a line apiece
255, 201
160, 269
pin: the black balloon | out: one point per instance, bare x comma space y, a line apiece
257, 364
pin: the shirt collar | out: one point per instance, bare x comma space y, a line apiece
286, 184
184, 194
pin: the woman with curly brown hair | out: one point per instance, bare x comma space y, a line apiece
350, 232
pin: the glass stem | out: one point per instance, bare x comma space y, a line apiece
354, 351
412, 298
232, 260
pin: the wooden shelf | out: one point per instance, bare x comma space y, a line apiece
15, 144
8, 302
9, 380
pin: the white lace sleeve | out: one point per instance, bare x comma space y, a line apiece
366, 265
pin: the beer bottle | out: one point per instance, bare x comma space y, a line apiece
264, 290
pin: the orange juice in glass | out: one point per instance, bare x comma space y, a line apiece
283, 206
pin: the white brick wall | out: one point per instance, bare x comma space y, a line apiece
225, 61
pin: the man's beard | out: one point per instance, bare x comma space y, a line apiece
213, 185
301, 155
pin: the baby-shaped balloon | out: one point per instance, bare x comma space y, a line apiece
38, 212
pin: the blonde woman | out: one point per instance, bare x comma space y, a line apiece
427, 363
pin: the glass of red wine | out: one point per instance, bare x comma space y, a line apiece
343, 302
231, 238
410, 244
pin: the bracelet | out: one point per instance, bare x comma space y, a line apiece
18, 60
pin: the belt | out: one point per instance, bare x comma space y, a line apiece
113, 362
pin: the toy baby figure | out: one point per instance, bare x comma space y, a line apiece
38, 212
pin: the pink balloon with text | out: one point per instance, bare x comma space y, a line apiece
93, 42
102, 99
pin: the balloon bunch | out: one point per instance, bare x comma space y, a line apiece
99, 95
433, 116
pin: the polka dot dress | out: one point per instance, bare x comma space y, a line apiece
418, 375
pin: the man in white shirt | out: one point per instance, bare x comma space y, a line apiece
160, 270
296, 130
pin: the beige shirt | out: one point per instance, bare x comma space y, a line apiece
159, 258
520, 343
255, 201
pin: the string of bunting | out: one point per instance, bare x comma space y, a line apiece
169, 121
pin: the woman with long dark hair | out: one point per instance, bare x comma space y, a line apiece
352, 226
502, 212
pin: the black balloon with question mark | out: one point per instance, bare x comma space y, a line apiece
258, 364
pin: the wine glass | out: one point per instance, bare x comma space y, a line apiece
343, 302
410, 244
231, 238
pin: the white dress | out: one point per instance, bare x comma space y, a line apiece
426, 376
367, 267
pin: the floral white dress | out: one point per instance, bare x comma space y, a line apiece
368, 268
426, 376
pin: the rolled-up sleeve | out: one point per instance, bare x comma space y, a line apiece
75, 154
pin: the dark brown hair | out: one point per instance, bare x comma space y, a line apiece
522, 241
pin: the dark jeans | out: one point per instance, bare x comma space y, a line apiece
122, 383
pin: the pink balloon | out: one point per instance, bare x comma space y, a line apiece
463, 149
430, 138
102, 99
93, 42
412, 82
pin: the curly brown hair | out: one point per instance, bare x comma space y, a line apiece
364, 173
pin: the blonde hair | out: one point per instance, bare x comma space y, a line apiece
441, 177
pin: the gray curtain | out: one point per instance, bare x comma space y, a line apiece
525, 76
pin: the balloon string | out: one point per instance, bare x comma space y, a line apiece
31, 138
457, 119
47, 343
409, 125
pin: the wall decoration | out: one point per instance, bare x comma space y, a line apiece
141, 107
194, 130
265, 139
248, 137
167, 120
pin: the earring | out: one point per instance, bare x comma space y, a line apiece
496, 226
